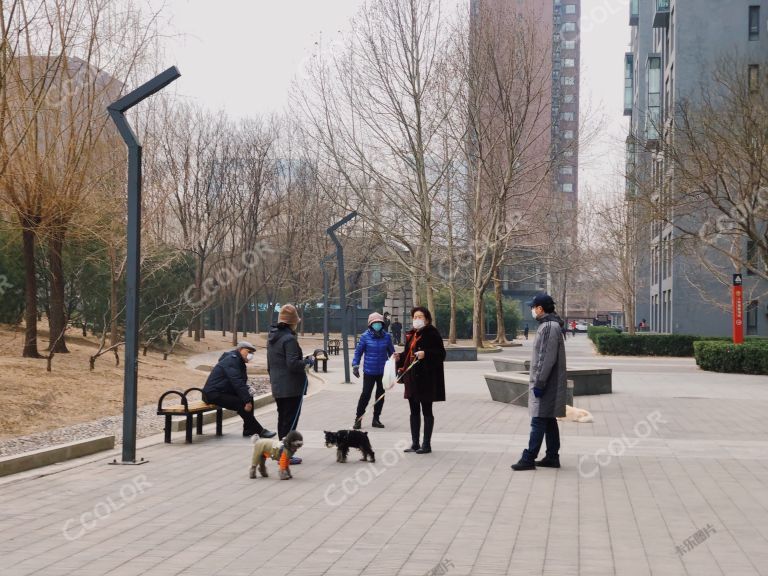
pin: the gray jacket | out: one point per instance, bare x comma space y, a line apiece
548, 369
285, 363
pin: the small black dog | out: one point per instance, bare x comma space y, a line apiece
346, 439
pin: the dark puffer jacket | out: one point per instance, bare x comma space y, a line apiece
285, 362
229, 376
377, 347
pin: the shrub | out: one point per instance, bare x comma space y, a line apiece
748, 358
594, 331
650, 344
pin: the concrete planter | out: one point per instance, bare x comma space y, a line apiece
461, 354
587, 380
512, 388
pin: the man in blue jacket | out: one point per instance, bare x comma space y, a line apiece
376, 346
227, 386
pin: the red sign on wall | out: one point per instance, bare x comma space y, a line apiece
738, 310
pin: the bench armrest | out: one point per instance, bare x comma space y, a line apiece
179, 394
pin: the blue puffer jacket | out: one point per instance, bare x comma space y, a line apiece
377, 348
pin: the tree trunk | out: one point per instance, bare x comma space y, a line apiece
256, 305
113, 310
233, 319
501, 330
477, 318
30, 294
245, 321
57, 319
452, 326
198, 322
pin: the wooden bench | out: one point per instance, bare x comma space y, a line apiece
333, 347
188, 409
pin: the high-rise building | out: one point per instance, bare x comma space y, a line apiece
675, 46
557, 30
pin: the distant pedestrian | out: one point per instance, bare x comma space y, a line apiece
397, 331
547, 386
374, 347
525, 331
387, 322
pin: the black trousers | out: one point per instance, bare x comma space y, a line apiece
288, 411
369, 380
233, 402
429, 422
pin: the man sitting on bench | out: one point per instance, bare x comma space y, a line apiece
227, 386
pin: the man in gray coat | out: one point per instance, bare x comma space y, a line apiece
546, 387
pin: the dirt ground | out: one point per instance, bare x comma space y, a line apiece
34, 400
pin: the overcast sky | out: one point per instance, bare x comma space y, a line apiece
241, 55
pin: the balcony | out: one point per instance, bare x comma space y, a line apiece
661, 17
634, 12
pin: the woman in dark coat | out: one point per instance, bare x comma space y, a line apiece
425, 381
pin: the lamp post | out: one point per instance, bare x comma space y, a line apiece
342, 288
325, 300
117, 111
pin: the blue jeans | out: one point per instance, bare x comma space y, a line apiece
542, 428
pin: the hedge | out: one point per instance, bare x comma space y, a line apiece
748, 358
653, 344
594, 331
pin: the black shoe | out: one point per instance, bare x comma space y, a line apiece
377, 423
267, 434
521, 465
249, 433
413, 448
548, 462
357, 425
424, 449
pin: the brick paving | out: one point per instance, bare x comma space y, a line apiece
628, 497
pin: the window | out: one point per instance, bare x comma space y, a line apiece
568, 98
566, 170
569, 63
629, 83
569, 27
754, 22
751, 257
570, 8
568, 116
568, 80
569, 44
568, 134
568, 153
751, 314
567, 187
653, 119
754, 78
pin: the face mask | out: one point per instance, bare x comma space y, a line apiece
249, 357
533, 313
377, 326
418, 324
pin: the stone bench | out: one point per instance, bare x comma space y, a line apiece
460, 354
587, 380
506, 364
512, 388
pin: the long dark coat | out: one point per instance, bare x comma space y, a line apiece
548, 370
426, 380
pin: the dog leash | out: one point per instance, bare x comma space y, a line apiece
301, 401
396, 380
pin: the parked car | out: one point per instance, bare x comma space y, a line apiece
581, 326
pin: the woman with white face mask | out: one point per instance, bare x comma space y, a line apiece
425, 380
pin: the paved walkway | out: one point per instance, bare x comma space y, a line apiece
672, 478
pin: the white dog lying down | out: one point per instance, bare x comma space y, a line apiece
577, 415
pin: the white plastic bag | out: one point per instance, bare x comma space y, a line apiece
390, 373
